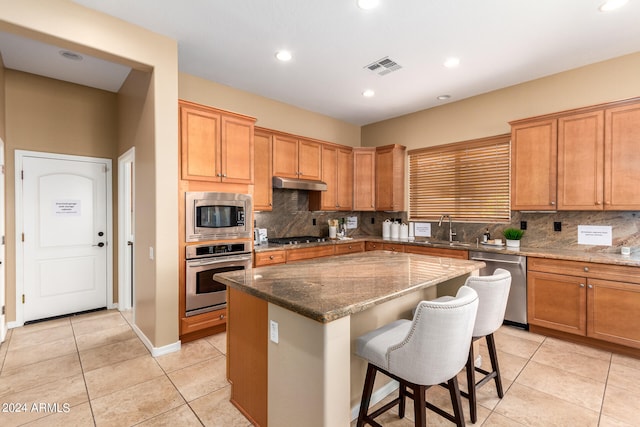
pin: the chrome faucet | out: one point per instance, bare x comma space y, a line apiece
452, 233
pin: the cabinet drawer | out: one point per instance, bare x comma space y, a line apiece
203, 321
393, 247
309, 253
349, 248
373, 246
270, 258
622, 273
441, 252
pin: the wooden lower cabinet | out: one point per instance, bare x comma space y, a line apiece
247, 356
349, 248
586, 303
270, 258
193, 324
441, 252
309, 253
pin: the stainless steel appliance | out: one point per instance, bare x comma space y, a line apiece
516, 313
204, 293
296, 240
216, 216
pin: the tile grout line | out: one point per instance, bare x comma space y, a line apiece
84, 378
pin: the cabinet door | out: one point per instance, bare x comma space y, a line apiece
534, 165
581, 161
309, 159
364, 160
236, 151
329, 198
622, 157
345, 179
262, 190
285, 156
614, 312
439, 252
389, 178
557, 302
199, 144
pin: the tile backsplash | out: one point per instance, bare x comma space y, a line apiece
291, 217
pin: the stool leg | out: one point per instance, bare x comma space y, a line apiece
471, 385
493, 355
403, 400
366, 394
456, 402
420, 405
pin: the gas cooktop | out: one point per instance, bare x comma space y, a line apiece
296, 240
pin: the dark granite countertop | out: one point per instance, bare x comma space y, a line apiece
326, 289
550, 253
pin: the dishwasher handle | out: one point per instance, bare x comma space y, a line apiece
502, 261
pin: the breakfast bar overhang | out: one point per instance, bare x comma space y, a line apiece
291, 329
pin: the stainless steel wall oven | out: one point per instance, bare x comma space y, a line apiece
204, 293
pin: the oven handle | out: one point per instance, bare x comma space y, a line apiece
216, 260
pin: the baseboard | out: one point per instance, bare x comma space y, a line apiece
14, 324
376, 397
156, 351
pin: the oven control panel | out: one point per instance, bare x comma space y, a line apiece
201, 251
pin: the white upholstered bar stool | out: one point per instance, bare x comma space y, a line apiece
493, 292
428, 350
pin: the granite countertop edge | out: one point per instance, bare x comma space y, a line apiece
549, 253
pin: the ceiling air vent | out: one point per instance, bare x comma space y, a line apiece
383, 66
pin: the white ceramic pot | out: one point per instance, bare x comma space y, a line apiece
513, 243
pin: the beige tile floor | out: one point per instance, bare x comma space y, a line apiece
99, 373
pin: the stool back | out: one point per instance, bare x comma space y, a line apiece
437, 345
493, 293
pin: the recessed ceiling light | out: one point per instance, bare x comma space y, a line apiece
452, 62
368, 93
444, 97
284, 55
368, 4
610, 5
70, 55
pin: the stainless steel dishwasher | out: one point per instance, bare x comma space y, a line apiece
516, 313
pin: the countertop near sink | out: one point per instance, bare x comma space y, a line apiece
551, 253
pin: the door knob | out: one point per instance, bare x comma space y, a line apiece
99, 245
100, 233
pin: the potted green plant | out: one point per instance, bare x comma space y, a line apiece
513, 236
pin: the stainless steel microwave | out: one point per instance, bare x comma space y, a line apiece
217, 216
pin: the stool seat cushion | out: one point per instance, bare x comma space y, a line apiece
373, 345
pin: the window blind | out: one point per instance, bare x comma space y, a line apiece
468, 180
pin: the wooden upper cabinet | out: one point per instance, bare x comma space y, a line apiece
262, 190
309, 159
581, 161
296, 158
285, 156
364, 187
345, 179
622, 158
215, 145
199, 143
389, 177
534, 147
337, 173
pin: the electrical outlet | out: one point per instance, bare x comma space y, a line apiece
557, 226
373, 220
523, 225
274, 331
314, 221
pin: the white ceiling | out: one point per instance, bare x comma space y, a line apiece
499, 42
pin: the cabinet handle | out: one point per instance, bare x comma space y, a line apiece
218, 175
270, 256
582, 285
586, 269
224, 175
552, 203
350, 246
221, 316
590, 286
597, 203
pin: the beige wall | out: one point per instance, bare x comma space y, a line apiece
68, 25
269, 113
489, 114
56, 117
2, 103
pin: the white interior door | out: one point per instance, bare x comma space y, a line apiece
126, 215
65, 238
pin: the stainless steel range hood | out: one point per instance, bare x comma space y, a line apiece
298, 184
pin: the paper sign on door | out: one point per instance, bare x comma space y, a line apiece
66, 208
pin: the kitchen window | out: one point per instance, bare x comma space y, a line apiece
468, 180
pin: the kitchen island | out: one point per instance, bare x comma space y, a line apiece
291, 329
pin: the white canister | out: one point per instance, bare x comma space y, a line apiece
333, 232
404, 231
395, 230
386, 229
